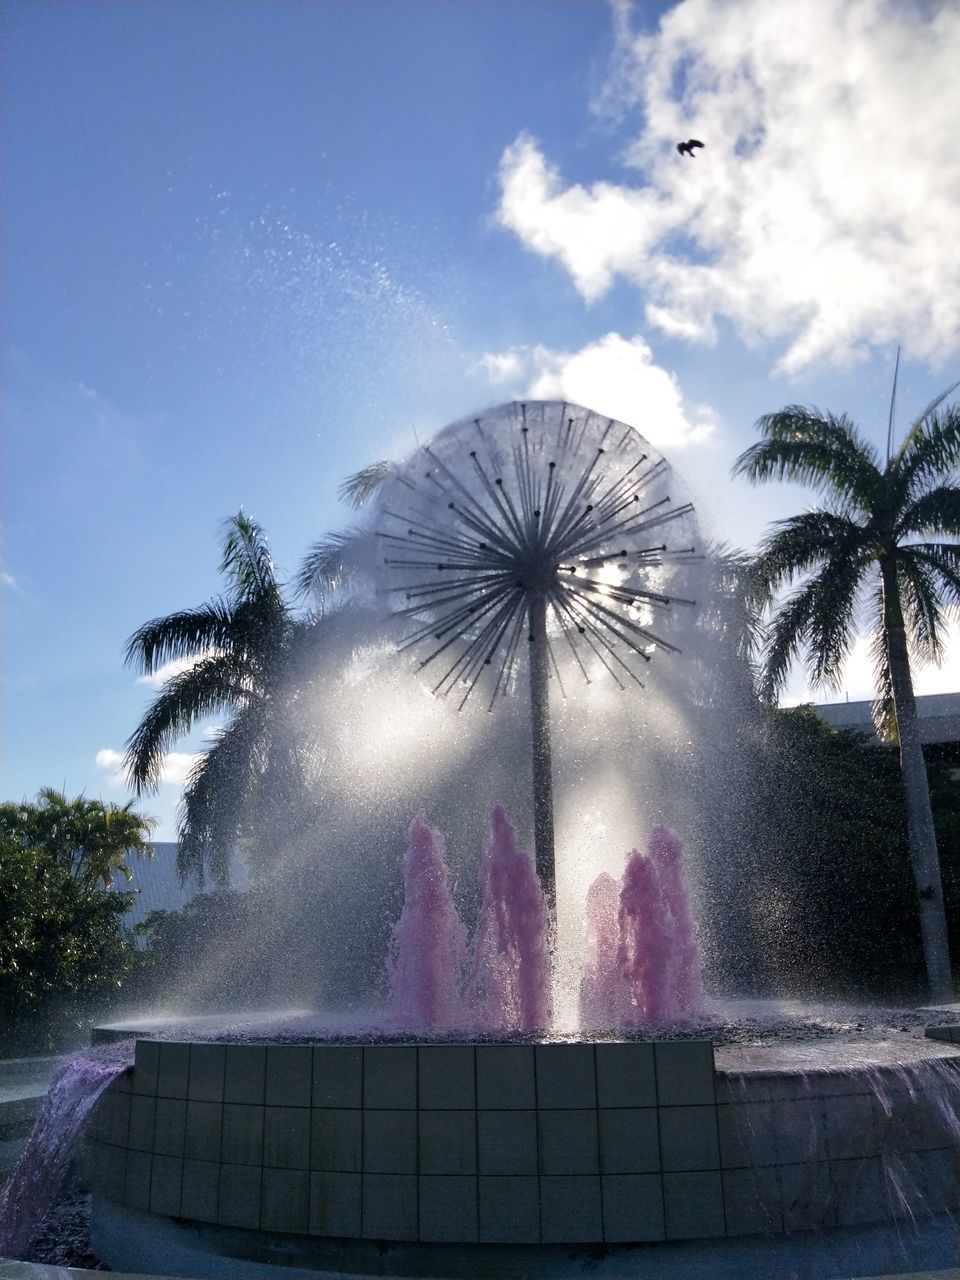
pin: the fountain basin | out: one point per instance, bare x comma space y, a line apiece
600, 1144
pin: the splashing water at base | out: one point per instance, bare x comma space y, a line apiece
34, 1183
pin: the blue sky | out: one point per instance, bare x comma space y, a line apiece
250, 247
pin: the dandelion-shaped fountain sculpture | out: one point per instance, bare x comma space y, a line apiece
535, 526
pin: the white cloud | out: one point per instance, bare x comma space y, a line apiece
821, 214
172, 668
174, 770
9, 581
615, 376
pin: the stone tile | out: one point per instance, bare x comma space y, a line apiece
117, 1119
632, 1208
146, 1066
507, 1142
509, 1210
389, 1206
569, 1142
242, 1141
685, 1073
239, 1195
940, 1033
940, 1181
286, 1137
799, 1129
751, 1199
108, 1167
207, 1068
908, 1122
289, 1079
285, 1200
448, 1142
136, 1181
390, 1077
688, 1138
173, 1070
390, 1142
335, 1204
204, 1130
505, 1077
448, 1209
570, 1210
336, 1139
338, 1076
565, 1076
629, 1140
170, 1126
693, 1206
860, 1191
850, 1130
447, 1077
143, 1119
200, 1194
807, 1196
245, 1072
166, 1177
626, 1075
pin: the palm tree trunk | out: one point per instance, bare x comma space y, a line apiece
921, 833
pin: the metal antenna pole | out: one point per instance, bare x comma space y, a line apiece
540, 742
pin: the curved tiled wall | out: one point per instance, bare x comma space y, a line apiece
502, 1144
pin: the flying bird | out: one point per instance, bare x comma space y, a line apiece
686, 148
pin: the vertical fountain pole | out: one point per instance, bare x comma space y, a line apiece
540, 742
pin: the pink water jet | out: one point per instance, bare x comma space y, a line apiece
509, 989
428, 950
604, 996
666, 851
642, 964
33, 1186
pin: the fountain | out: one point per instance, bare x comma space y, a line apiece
468, 1127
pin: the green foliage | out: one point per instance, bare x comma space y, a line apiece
820, 841
86, 839
63, 946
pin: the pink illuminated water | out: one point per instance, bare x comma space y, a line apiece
604, 996
509, 988
34, 1183
428, 949
642, 964
666, 852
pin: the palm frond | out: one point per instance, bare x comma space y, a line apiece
214, 798
786, 636
935, 512
326, 567
801, 543
943, 559
246, 559
359, 488
817, 449
931, 448
832, 621
921, 607
212, 683
187, 634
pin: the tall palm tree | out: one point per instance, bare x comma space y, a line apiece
887, 536
239, 652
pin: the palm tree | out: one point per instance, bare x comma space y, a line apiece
238, 654
887, 536
89, 839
